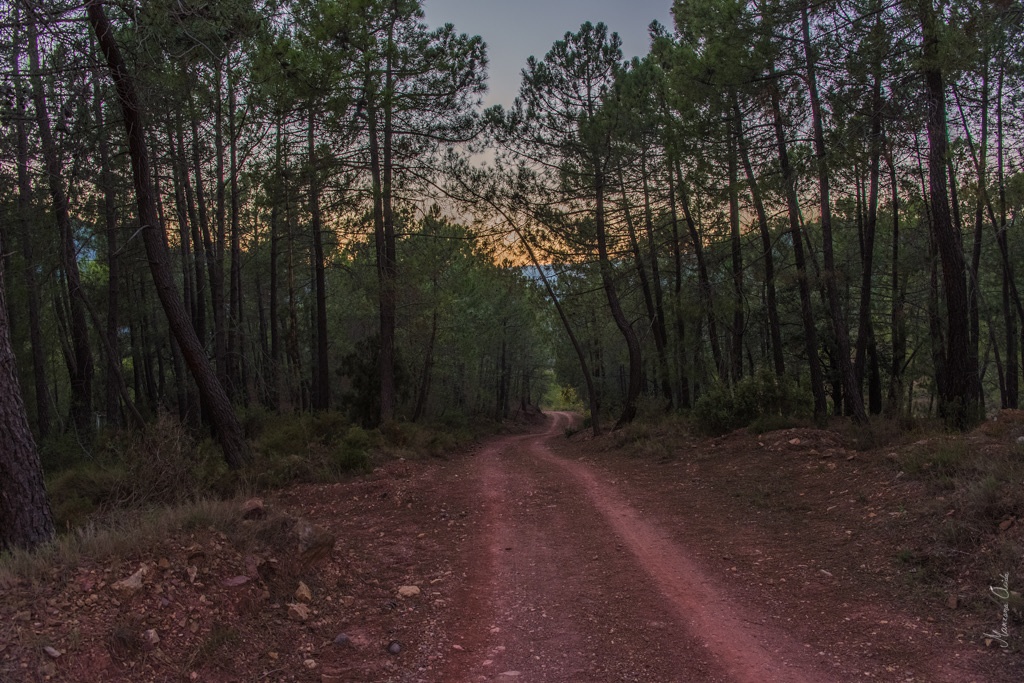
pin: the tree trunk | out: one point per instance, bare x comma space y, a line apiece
295, 389
793, 208
736, 352
853, 400
81, 367
703, 278
236, 337
196, 207
1009, 283
1011, 301
608, 281
677, 248
645, 285
389, 260
865, 345
321, 375
24, 232
275, 239
216, 254
593, 399
960, 402
660, 331
767, 252
229, 431
25, 517
114, 381
897, 314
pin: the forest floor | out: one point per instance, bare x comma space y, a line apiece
784, 557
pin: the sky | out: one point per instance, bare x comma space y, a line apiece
516, 29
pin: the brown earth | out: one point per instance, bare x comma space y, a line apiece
537, 558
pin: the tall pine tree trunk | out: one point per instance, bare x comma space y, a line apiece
897, 316
736, 351
25, 517
275, 240
1011, 299
680, 321
236, 336
321, 375
215, 255
81, 366
703, 278
24, 232
854, 403
660, 331
960, 402
633, 387
215, 398
767, 252
866, 350
793, 211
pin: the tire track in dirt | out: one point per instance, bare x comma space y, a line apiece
569, 582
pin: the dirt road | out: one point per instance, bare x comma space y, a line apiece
537, 559
571, 582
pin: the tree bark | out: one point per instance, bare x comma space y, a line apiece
960, 402
854, 402
865, 345
660, 331
608, 281
229, 430
793, 208
736, 351
680, 320
389, 257
215, 255
25, 517
704, 280
321, 375
236, 337
897, 314
275, 239
42, 400
767, 251
80, 368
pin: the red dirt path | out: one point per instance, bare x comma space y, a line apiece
541, 559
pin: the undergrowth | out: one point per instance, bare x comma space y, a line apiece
119, 535
762, 401
982, 489
133, 489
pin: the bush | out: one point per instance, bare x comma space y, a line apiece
161, 465
761, 396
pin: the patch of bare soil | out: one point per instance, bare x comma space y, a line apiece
817, 537
534, 558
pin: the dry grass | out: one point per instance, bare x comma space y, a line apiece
120, 536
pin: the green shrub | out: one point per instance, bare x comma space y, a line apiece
354, 450
760, 396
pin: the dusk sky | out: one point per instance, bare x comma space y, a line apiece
516, 29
